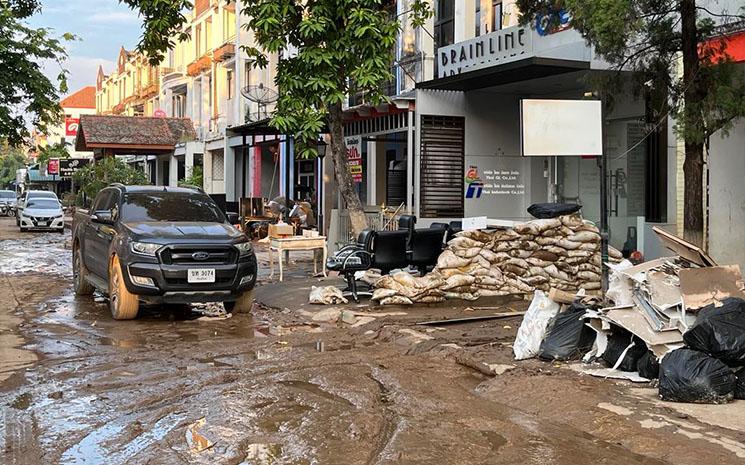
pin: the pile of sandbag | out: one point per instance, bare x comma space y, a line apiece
561, 253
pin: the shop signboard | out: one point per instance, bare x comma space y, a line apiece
496, 48
354, 157
561, 127
71, 126
495, 186
68, 167
53, 166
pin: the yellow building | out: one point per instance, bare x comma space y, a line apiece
132, 89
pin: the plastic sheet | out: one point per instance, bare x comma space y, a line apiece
568, 337
690, 376
553, 210
624, 350
720, 332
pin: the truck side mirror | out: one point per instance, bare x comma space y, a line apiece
233, 217
103, 217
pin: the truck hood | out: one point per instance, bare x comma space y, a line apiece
182, 230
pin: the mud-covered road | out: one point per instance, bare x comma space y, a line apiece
190, 386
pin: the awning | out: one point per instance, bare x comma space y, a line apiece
522, 70
35, 175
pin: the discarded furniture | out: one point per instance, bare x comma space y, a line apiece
425, 246
389, 250
353, 258
295, 243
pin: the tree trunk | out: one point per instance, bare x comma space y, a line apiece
344, 180
694, 128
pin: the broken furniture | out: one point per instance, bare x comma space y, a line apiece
295, 243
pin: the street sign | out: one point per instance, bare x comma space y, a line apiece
68, 167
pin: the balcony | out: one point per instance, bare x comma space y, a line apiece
197, 67
223, 53
118, 109
148, 91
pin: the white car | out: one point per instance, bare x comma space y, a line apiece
42, 214
28, 195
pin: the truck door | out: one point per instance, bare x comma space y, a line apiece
98, 236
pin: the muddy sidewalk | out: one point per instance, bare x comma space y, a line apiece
190, 385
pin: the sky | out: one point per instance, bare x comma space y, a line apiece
102, 27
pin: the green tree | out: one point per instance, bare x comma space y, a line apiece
25, 92
94, 177
58, 150
12, 159
652, 38
325, 45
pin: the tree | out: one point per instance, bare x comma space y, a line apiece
195, 178
650, 38
58, 150
11, 160
95, 176
325, 45
25, 92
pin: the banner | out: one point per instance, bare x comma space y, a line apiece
71, 126
53, 166
354, 157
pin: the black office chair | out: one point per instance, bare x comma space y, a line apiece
389, 250
351, 259
425, 247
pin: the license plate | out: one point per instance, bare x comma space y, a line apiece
202, 275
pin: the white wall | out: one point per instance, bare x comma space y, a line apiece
727, 196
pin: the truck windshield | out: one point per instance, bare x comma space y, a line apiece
170, 206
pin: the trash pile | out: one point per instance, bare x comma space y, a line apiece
561, 253
680, 319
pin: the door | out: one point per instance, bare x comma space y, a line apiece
98, 236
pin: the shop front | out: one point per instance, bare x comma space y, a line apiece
468, 157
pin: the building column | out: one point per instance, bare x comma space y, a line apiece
229, 172
409, 162
173, 171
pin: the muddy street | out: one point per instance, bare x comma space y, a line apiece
193, 385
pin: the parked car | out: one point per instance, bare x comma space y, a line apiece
42, 213
155, 245
7, 203
26, 196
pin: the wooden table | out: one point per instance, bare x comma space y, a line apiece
296, 243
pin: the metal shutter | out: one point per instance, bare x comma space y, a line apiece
442, 166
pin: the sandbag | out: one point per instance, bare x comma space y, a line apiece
328, 295
648, 366
553, 210
720, 332
691, 376
619, 341
533, 327
568, 338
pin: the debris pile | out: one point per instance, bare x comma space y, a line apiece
561, 253
680, 319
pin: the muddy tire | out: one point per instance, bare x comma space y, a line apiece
242, 305
123, 304
79, 273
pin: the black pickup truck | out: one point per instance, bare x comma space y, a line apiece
160, 245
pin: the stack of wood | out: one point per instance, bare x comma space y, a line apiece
560, 253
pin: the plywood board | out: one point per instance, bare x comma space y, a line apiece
632, 319
684, 249
705, 286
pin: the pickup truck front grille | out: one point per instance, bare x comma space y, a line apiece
198, 255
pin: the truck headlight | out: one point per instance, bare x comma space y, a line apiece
244, 248
145, 248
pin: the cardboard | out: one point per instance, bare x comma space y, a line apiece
706, 286
281, 230
684, 249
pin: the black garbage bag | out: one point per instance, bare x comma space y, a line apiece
691, 376
740, 387
648, 366
553, 210
720, 332
568, 337
618, 341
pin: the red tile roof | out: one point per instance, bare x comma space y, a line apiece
84, 98
99, 131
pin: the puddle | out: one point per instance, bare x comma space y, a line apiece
314, 389
40, 253
262, 454
95, 447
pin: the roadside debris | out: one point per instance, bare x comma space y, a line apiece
468, 319
680, 319
196, 441
328, 295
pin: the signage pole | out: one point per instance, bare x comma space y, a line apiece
604, 233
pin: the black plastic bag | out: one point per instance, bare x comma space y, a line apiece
720, 332
553, 210
690, 376
648, 366
618, 341
740, 387
567, 338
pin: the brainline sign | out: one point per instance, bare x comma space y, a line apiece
496, 48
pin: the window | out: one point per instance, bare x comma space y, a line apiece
198, 41
478, 19
442, 166
247, 74
179, 105
229, 79
207, 34
444, 23
218, 166
496, 15
228, 25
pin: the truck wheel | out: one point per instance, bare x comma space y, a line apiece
79, 273
122, 303
242, 305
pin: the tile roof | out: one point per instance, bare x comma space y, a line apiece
96, 131
84, 98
